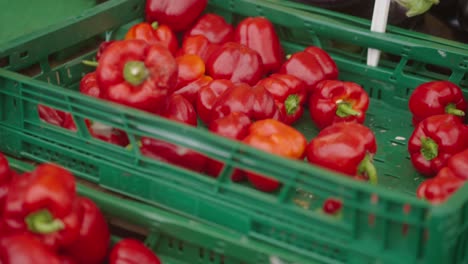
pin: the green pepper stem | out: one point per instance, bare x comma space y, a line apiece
155, 25
90, 63
452, 109
429, 148
366, 167
135, 72
42, 222
344, 109
416, 7
292, 104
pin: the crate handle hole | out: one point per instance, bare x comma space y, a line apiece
24, 55
4, 62
201, 253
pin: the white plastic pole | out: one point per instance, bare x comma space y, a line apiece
379, 24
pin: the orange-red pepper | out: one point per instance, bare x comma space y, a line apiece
277, 138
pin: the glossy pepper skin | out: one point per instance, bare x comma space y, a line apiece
259, 34
154, 33
198, 45
277, 138
336, 101
214, 27
180, 110
178, 15
89, 86
102, 47
434, 141
190, 91
136, 74
190, 68
25, 249
255, 102
233, 126
438, 189
93, 240
43, 203
235, 62
56, 117
289, 93
6, 176
436, 98
311, 66
131, 251
208, 96
346, 148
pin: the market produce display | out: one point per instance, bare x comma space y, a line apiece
44, 220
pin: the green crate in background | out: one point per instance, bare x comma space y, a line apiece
379, 224
175, 239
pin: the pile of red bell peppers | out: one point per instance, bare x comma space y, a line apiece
43, 220
189, 65
438, 146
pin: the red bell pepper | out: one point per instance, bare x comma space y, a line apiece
178, 15
435, 98
43, 202
233, 126
191, 90
93, 241
434, 141
131, 251
259, 34
89, 86
235, 62
6, 175
458, 165
289, 94
213, 27
102, 47
336, 101
277, 138
136, 74
332, 206
311, 66
207, 97
438, 189
198, 45
190, 68
180, 110
25, 249
255, 102
346, 148
154, 33
56, 117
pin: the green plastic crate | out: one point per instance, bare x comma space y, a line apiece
375, 226
175, 239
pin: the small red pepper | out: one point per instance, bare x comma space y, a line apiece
233, 126
190, 69
259, 34
255, 102
438, 189
136, 74
154, 33
434, 141
43, 202
25, 249
93, 241
235, 62
131, 251
311, 66
336, 101
191, 90
435, 98
277, 138
198, 45
178, 109
214, 27
89, 86
289, 93
332, 206
347, 148
207, 97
